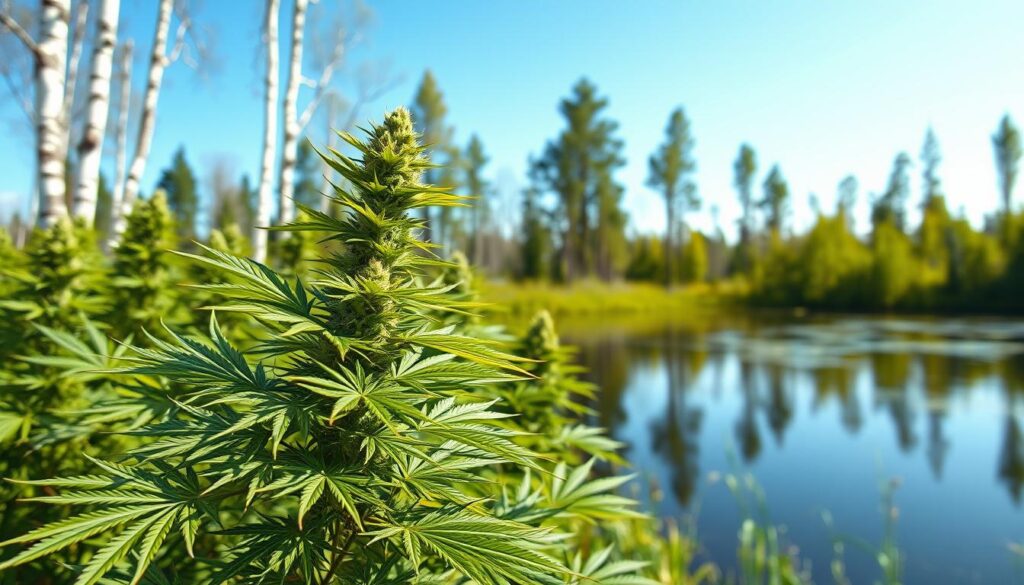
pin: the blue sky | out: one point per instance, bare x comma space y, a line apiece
825, 89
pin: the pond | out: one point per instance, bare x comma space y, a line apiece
825, 412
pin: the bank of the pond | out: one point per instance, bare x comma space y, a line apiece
595, 298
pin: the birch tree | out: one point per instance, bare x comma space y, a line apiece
50, 57
121, 133
259, 236
295, 123
162, 55
77, 35
90, 147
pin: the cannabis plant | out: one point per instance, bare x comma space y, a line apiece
349, 445
549, 404
142, 281
47, 293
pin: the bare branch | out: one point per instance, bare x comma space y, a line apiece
184, 25
7, 21
368, 93
22, 99
321, 86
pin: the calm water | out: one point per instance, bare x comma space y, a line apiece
822, 411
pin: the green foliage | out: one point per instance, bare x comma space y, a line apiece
429, 113
694, 263
835, 265
475, 159
1006, 145
647, 261
578, 168
890, 207
104, 208
143, 278
535, 250
669, 170
308, 172
776, 198
179, 183
893, 269
350, 443
743, 178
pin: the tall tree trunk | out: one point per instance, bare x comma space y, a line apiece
121, 163
669, 252
51, 60
77, 34
292, 128
157, 64
259, 237
90, 148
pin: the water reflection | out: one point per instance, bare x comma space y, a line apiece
819, 409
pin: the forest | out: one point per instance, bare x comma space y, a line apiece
305, 375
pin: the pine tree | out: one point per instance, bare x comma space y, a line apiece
536, 239
475, 160
308, 176
930, 158
891, 206
179, 183
429, 112
578, 167
776, 199
669, 170
744, 168
1006, 144
104, 208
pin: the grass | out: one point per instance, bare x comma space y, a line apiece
595, 298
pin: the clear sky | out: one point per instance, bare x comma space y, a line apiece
825, 89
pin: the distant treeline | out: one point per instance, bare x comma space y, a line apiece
571, 223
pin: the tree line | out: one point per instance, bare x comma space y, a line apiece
572, 223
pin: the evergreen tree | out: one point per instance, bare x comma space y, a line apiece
743, 179
179, 183
776, 199
475, 160
1007, 146
307, 176
429, 112
578, 168
536, 238
891, 206
930, 159
104, 208
846, 199
612, 247
647, 262
248, 197
670, 169
744, 168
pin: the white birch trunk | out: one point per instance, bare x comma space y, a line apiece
292, 127
77, 33
121, 158
157, 64
259, 237
51, 60
90, 148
